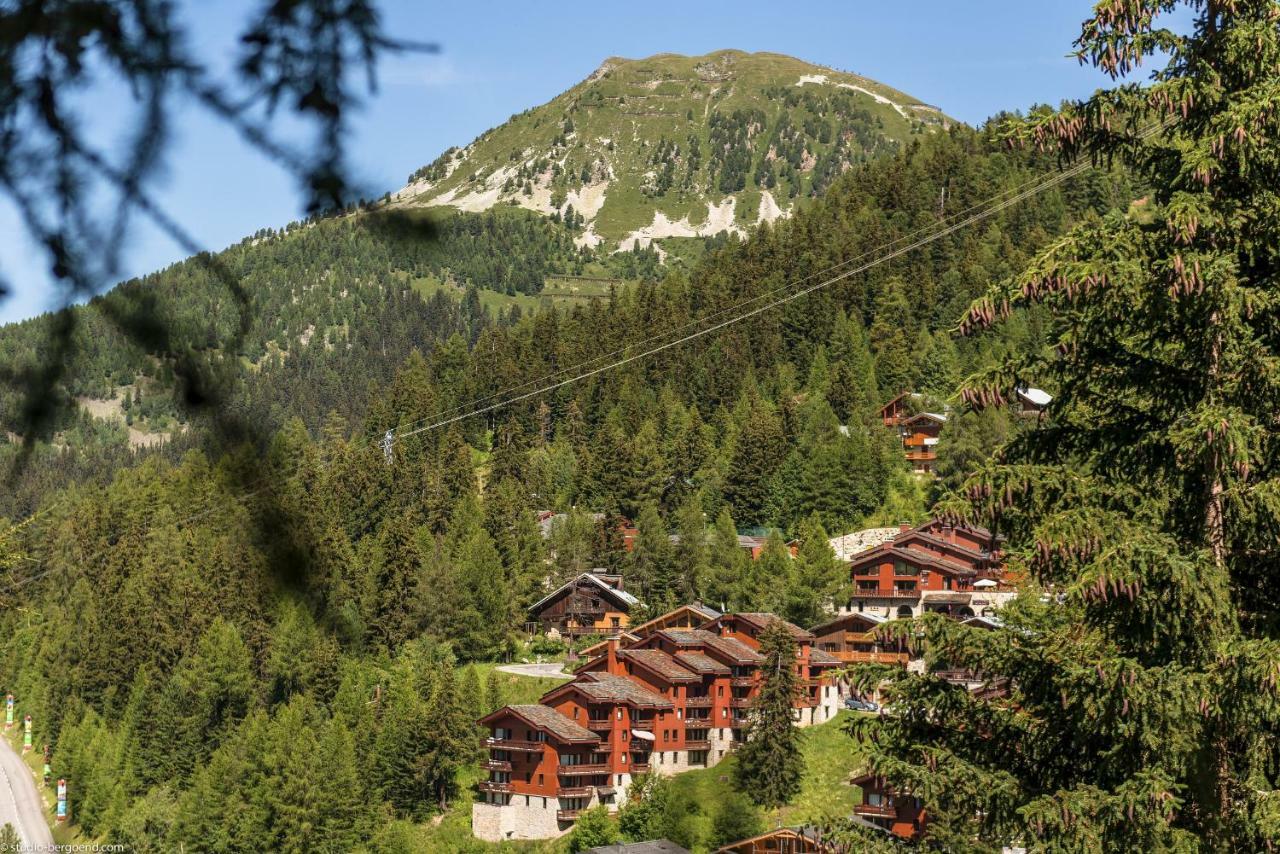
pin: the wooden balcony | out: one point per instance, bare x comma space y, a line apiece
886, 593
491, 786
874, 810
697, 723
568, 815
574, 791
640, 767
583, 768
742, 681
515, 744
921, 456
701, 744
853, 657
496, 765
741, 703
697, 702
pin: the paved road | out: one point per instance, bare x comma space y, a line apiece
550, 670
20, 803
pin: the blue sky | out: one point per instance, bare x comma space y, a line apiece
972, 59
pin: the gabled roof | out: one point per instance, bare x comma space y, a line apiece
700, 612
545, 719
761, 620
620, 597
610, 688
1035, 396
599, 647
844, 619
659, 662
808, 835
819, 656
936, 417
700, 662
653, 846
912, 556
730, 648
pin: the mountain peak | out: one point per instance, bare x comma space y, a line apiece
673, 146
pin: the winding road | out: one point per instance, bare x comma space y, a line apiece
20, 803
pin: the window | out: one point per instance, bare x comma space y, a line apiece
539, 779
903, 568
616, 621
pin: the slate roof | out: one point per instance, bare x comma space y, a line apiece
729, 647
661, 663
700, 662
818, 656
610, 688
843, 619
762, 620
555, 724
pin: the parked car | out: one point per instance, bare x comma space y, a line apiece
856, 705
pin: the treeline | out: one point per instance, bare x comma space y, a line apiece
207, 635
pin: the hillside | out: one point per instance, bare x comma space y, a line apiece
677, 146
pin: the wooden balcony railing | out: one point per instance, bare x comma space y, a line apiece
741, 703
515, 744
853, 657
877, 810
886, 593
497, 765
701, 744
491, 786
583, 768
697, 702
574, 791
568, 815
742, 681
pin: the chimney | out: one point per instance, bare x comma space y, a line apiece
612, 664
903, 527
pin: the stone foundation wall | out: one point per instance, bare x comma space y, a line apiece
518, 819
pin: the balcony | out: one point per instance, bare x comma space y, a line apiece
701, 744
568, 815
574, 791
496, 765
515, 744
854, 657
697, 723
742, 681
921, 456
491, 786
886, 593
697, 702
741, 703
583, 768
875, 810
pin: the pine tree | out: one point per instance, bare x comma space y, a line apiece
651, 567
1142, 712
770, 764
727, 562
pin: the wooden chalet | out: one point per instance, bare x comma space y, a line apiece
920, 435
851, 639
900, 814
594, 603
1032, 401
805, 839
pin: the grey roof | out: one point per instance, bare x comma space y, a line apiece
609, 688
556, 724
700, 662
653, 846
819, 656
661, 663
608, 590
728, 646
762, 620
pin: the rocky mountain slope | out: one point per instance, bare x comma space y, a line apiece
677, 146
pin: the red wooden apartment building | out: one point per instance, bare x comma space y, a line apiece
673, 700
